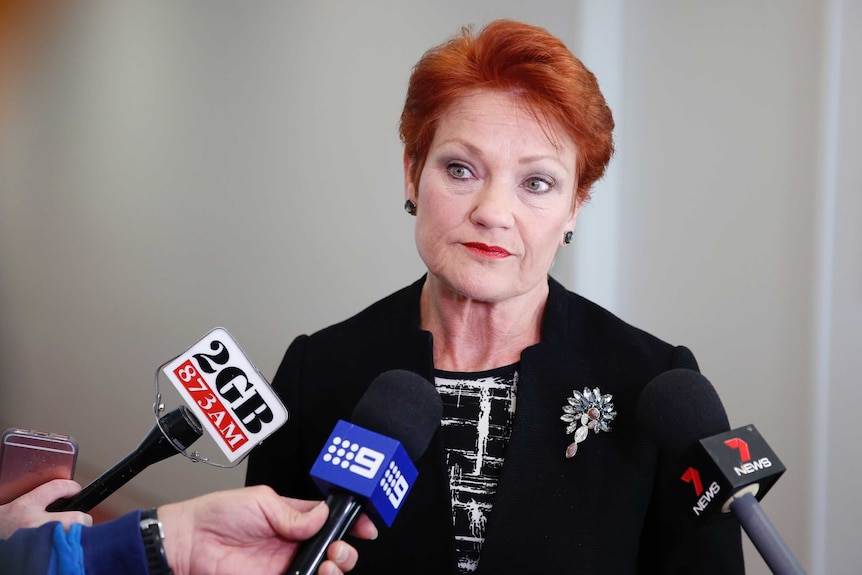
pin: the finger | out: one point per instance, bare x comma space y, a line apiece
296, 524
341, 559
364, 528
329, 568
52, 490
342, 554
68, 518
301, 504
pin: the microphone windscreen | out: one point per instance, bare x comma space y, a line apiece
678, 408
181, 427
401, 405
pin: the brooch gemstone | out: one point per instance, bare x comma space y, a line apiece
586, 411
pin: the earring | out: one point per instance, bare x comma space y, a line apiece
410, 207
567, 238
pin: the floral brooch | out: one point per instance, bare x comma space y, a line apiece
587, 411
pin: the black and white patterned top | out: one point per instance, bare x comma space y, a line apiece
478, 409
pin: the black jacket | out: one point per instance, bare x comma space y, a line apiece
607, 510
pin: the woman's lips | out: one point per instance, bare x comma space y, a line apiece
486, 250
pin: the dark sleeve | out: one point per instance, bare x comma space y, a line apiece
278, 460
115, 547
109, 548
27, 551
670, 543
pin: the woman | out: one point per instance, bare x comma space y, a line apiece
505, 132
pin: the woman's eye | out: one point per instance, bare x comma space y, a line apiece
459, 171
537, 185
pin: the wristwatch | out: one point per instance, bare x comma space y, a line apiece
153, 533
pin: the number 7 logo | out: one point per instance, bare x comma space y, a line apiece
736, 443
692, 476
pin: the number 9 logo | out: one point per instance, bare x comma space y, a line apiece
367, 462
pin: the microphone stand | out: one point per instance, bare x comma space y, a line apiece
765, 536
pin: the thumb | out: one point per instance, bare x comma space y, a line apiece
51, 491
295, 524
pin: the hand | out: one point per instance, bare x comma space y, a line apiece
249, 530
28, 510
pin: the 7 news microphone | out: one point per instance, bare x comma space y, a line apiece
722, 471
367, 465
181, 429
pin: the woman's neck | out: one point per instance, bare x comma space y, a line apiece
471, 335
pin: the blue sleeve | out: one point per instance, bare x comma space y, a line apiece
28, 551
115, 547
105, 549
68, 557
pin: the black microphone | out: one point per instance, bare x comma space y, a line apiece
722, 470
181, 429
367, 465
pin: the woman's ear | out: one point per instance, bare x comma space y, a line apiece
409, 185
578, 202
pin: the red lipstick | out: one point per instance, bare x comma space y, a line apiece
486, 250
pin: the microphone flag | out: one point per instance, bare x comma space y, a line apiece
225, 390
723, 467
369, 465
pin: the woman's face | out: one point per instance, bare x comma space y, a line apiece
494, 198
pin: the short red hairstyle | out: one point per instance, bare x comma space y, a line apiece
526, 61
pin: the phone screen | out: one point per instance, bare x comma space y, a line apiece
30, 458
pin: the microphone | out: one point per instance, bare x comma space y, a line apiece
368, 464
723, 470
181, 429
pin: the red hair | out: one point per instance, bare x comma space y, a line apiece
526, 61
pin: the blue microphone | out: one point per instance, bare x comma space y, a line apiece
367, 465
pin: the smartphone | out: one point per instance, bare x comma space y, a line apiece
30, 458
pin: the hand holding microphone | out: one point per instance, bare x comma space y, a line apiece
28, 510
367, 465
250, 530
722, 470
219, 386
182, 429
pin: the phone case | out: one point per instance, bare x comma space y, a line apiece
30, 458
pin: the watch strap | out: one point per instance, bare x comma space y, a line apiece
153, 534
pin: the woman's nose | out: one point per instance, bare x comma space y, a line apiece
493, 207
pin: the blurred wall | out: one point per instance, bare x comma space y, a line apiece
170, 167
721, 207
